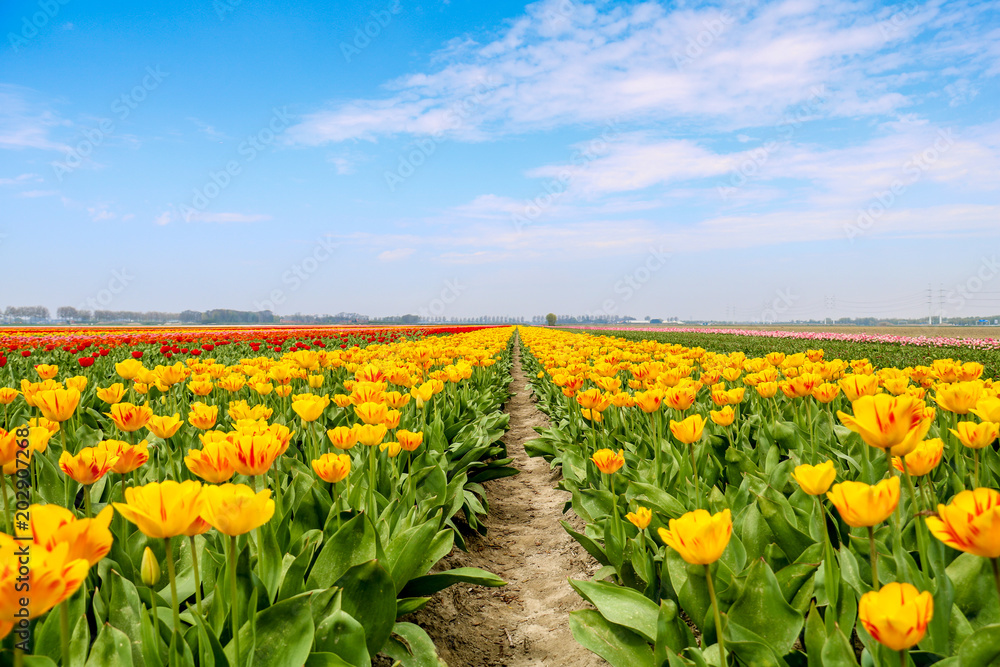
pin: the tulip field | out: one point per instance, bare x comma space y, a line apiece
780, 509
240, 497
286, 496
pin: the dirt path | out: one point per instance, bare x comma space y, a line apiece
525, 623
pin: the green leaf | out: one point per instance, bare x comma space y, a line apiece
342, 634
270, 568
838, 651
406, 606
432, 583
405, 552
352, 545
591, 547
111, 649
762, 609
411, 646
294, 577
617, 644
621, 605
815, 637
369, 596
281, 634
326, 660
125, 615
982, 648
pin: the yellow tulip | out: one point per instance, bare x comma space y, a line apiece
164, 427
310, 406
862, 505
897, 615
162, 509
112, 394
896, 423
699, 537
89, 464
130, 418
640, 518
723, 417
958, 397
923, 459
332, 468
234, 509
815, 480
149, 571
689, 430
57, 404
608, 461
976, 436
970, 523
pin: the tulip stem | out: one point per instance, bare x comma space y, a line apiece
874, 557
995, 562
372, 508
64, 630
715, 612
234, 602
975, 455
197, 576
88, 513
18, 657
173, 585
62, 435
656, 448
694, 471
902, 658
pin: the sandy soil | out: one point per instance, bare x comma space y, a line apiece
525, 623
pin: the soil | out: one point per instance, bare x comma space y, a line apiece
526, 622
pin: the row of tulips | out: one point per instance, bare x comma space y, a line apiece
709, 488
267, 510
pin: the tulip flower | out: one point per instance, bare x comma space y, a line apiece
641, 518
112, 394
254, 454
128, 369
203, 416
46, 371
332, 468
342, 437
975, 437
723, 417
858, 385
649, 401
767, 389
959, 397
371, 413
826, 392
971, 523
815, 480
213, 462
897, 615
700, 538
924, 458
408, 440
51, 525
164, 426
57, 404
987, 408
79, 383
688, 431
863, 506
310, 406
87, 466
607, 461
130, 457
370, 434
130, 418
893, 423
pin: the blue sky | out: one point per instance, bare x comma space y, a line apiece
747, 160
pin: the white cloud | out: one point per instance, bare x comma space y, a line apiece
227, 217
395, 255
33, 194
25, 122
164, 218
22, 179
571, 63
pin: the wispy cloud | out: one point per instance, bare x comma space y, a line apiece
571, 63
25, 122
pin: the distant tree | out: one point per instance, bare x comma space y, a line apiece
550, 319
